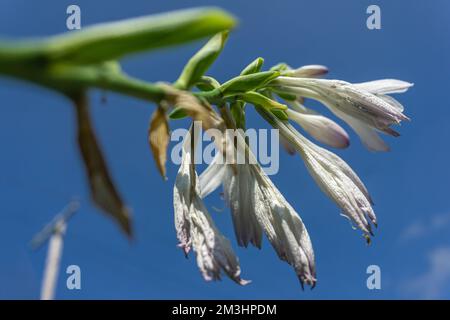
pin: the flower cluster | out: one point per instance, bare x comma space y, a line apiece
257, 206
73, 63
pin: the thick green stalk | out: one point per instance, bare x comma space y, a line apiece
74, 78
111, 41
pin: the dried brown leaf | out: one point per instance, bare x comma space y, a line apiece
158, 137
103, 191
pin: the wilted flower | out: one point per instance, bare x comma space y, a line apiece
334, 177
195, 227
256, 205
363, 106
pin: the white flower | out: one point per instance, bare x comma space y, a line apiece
334, 177
256, 204
283, 227
364, 106
195, 227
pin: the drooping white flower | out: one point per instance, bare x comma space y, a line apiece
364, 106
256, 204
195, 227
283, 227
334, 177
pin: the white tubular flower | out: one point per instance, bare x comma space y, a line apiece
195, 227
334, 177
364, 106
256, 204
321, 128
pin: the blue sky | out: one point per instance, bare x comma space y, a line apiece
41, 168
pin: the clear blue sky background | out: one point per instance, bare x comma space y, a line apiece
41, 168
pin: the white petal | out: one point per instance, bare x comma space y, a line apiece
239, 187
371, 106
347, 170
339, 188
212, 177
384, 86
369, 137
321, 128
213, 250
195, 227
392, 101
284, 228
181, 203
182, 198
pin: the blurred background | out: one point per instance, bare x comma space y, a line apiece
41, 169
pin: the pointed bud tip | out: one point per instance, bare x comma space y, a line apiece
243, 282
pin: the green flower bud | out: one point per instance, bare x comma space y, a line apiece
253, 67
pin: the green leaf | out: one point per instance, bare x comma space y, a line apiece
109, 41
201, 61
177, 113
253, 67
246, 83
